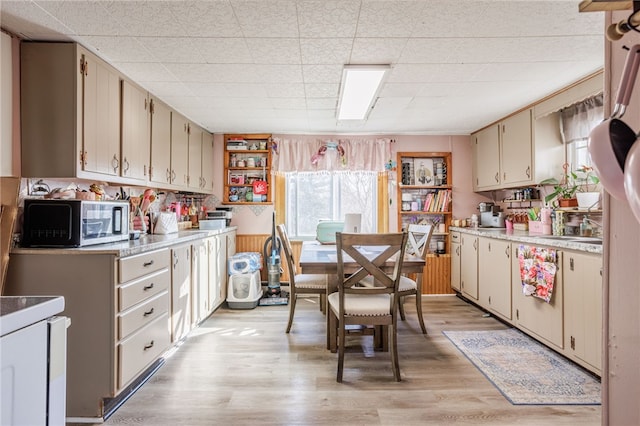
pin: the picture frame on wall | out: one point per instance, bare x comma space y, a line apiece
423, 168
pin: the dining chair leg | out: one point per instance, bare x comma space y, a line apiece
323, 303
419, 309
393, 337
401, 308
341, 343
292, 309
332, 331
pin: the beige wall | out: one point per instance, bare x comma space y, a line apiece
464, 199
621, 268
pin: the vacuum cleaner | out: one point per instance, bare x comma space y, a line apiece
271, 254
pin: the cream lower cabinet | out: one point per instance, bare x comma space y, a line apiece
199, 281
217, 270
494, 276
469, 266
456, 253
534, 315
583, 308
180, 291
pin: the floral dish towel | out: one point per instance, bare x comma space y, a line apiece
537, 271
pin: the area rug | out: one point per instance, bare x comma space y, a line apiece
525, 371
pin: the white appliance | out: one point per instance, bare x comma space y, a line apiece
33, 359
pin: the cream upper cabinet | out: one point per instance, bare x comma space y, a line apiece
70, 112
101, 116
207, 162
516, 148
469, 266
160, 143
486, 152
179, 150
583, 307
494, 276
136, 144
194, 177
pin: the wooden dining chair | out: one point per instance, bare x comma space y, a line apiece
418, 245
370, 306
301, 283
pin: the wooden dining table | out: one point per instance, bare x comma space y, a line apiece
318, 258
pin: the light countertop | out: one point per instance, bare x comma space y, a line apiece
17, 312
147, 242
571, 242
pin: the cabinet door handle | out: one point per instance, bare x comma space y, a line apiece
168, 175
149, 312
126, 165
497, 177
115, 163
149, 345
475, 244
149, 263
147, 287
507, 252
528, 172
173, 175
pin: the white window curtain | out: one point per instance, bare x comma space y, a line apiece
310, 155
577, 120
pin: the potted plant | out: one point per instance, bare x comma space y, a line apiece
566, 189
588, 195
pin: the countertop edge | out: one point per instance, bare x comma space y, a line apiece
146, 243
525, 237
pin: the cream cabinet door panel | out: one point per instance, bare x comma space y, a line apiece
469, 268
194, 176
136, 145
160, 143
486, 147
517, 149
179, 150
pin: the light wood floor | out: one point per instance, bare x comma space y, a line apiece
241, 368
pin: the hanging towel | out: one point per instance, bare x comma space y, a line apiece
537, 271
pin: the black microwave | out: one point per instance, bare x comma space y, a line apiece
74, 223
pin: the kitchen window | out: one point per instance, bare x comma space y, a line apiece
312, 196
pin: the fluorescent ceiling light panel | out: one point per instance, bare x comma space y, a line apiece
360, 85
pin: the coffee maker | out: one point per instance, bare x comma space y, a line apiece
491, 216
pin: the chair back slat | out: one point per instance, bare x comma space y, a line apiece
288, 250
419, 238
371, 252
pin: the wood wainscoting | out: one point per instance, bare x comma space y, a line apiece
436, 277
255, 243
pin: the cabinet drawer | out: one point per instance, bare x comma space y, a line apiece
142, 348
455, 237
136, 291
136, 266
143, 314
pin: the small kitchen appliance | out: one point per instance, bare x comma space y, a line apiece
74, 223
491, 216
326, 231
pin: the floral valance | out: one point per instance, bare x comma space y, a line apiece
331, 154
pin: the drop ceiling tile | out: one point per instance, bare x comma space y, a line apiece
328, 103
321, 90
329, 114
237, 73
389, 18
328, 18
326, 50
41, 25
266, 18
144, 18
172, 49
274, 50
74, 15
377, 50
427, 73
322, 73
389, 107
205, 18
143, 72
234, 90
289, 103
118, 48
174, 89
284, 90
232, 50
